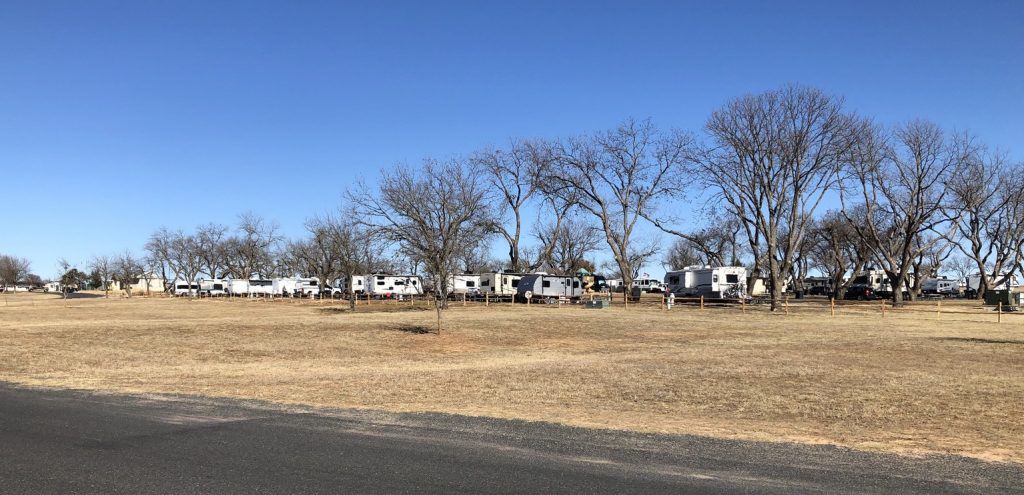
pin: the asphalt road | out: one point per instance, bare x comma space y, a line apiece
74, 442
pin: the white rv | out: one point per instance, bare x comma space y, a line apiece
974, 282
549, 288
723, 282
213, 288
648, 285
283, 286
183, 288
500, 283
878, 280
252, 287
465, 284
393, 285
307, 287
940, 287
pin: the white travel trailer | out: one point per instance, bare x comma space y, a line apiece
213, 288
878, 280
500, 283
549, 288
283, 286
340, 286
464, 284
940, 287
393, 285
307, 287
723, 282
250, 288
183, 288
614, 285
974, 282
648, 285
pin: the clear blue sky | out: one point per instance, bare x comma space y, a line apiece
119, 117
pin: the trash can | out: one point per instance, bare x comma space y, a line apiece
799, 294
994, 297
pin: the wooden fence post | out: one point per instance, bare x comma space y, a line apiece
883, 308
487, 299
785, 303
938, 308
743, 305
999, 319
833, 304
702, 302
463, 298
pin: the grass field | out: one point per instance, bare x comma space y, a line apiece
914, 381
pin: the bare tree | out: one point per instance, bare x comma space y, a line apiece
127, 270
250, 253
322, 253
616, 176
185, 258
834, 249
434, 213
512, 178
13, 270
210, 242
771, 159
568, 242
158, 250
899, 182
962, 266
986, 205
103, 265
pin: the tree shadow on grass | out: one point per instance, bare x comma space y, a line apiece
337, 310
976, 340
413, 329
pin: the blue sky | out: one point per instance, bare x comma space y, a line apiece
208, 109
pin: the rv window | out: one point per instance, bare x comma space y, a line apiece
714, 278
413, 282
485, 283
218, 286
515, 282
399, 282
673, 280
546, 283
732, 278
181, 287
470, 283
575, 284
380, 282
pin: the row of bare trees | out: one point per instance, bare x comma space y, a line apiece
908, 198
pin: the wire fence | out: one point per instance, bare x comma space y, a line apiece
953, 309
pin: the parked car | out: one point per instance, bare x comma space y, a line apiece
819, 290
860, 292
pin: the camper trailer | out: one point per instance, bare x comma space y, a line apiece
941, 287
500, 283
393, 285
283, 286
464, 284
213, 288
877, 280
548, 288
723, 282
358, 282
252, 288
649, 285
183, 288
974, 283
307, 287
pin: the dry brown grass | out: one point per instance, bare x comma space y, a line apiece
911, 382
